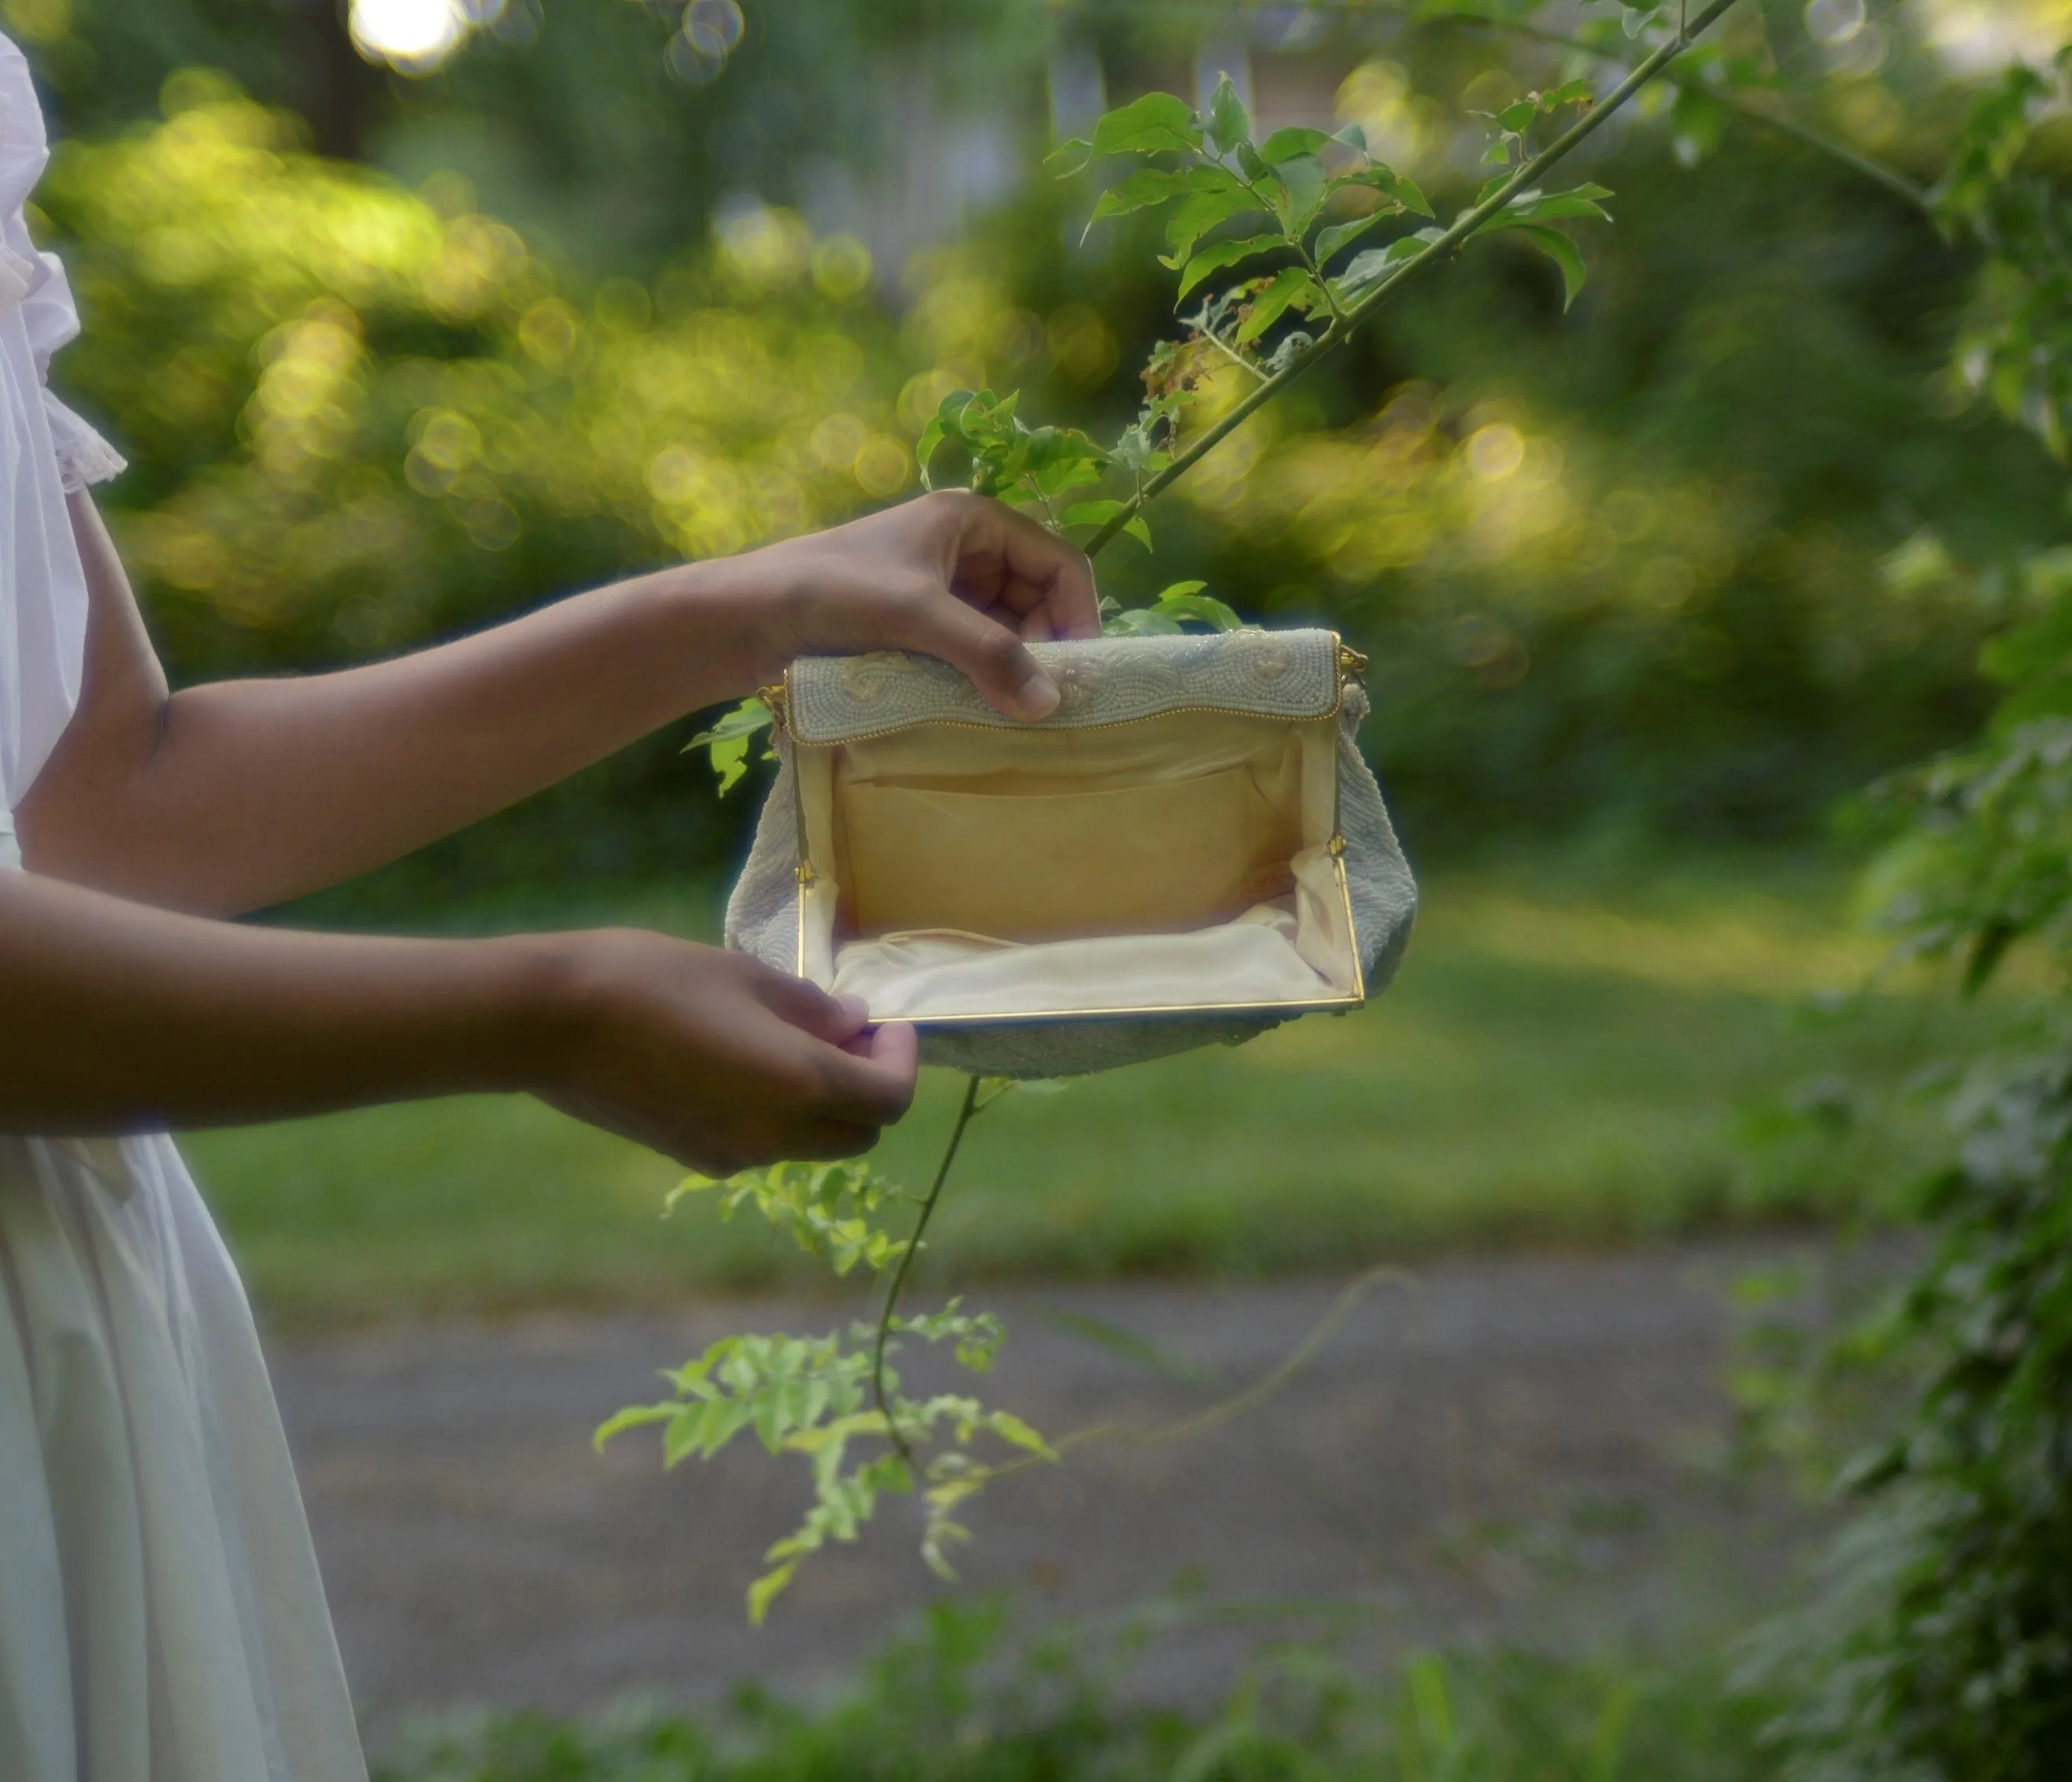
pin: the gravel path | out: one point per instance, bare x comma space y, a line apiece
1529, 1445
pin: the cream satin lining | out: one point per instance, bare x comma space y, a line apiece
1177, 862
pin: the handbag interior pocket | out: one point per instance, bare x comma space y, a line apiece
1156, 857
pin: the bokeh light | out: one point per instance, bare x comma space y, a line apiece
698, 52
413, 35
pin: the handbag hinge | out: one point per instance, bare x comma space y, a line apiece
777, 697
1351, 663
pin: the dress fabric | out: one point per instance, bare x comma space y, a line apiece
161, 1616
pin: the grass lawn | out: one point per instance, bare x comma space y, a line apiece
1562, 1060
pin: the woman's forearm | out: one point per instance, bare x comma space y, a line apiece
114, 1017
117, 1017
230, 797
260, 790
235, 796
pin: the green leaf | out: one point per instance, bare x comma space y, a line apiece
729, 755
680, 1441
1092, 513
1229, 122
1564, 253
1211, 176
744, 719
1069, 157
1519, 116
1293, 288
1149, 185
1141, 622
946, 420
1569, 92
632, 1417
1376, 262
1544, 208
1200, 212
1202, 609
1352, 136
1065, 473
1284, 145
1157, 122
1302, 183
767, 1589
728, 741
1139, 528
1399, 186
1010, 1428
1339, 235
1220, 254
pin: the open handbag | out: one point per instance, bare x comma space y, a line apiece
1191, 849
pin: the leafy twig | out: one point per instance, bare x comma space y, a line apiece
1446, 242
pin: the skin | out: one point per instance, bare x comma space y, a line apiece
127, 1003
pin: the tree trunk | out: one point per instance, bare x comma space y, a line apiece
328, 80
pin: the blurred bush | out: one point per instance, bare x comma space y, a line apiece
360, 417
957, 1698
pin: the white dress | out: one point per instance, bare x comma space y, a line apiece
161, 1616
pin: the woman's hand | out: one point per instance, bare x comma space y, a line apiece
713, 1058
952, 575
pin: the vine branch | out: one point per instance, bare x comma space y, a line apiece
966, 1109
1342, 328
1867, 166
1880, 173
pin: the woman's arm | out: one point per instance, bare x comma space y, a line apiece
114, 1017
235, 796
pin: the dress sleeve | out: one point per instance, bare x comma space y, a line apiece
52, 320
33, 282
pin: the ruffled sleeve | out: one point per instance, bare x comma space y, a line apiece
84, 457
33, 282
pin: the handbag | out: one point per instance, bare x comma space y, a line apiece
1190, 849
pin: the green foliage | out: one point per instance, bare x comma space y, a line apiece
818, 1397
2016, 344
357, 420
826, 1207
1181, 605
1940, 1648
729, 739
807, 1395
962, 1700
1301, 193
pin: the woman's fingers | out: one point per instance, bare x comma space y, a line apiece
835, 1020
870, 1081
1023, 566
998, 661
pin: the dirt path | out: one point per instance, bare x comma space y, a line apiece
1528, 1445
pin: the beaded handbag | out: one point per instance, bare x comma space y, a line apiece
1190, 849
